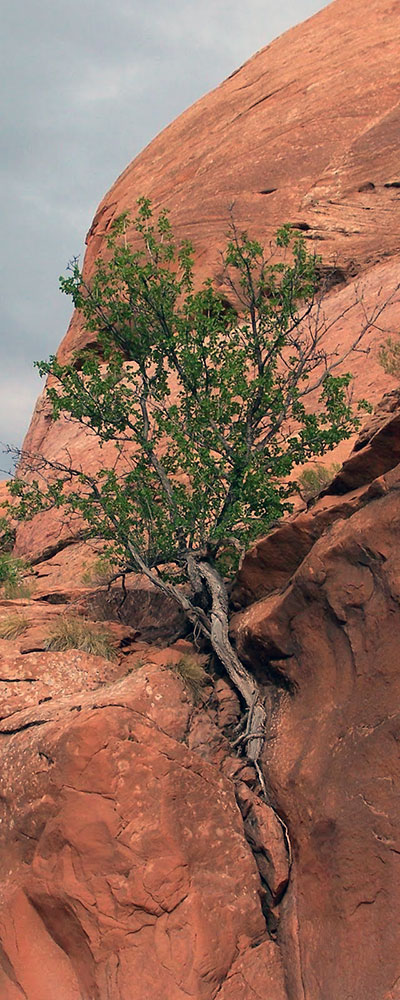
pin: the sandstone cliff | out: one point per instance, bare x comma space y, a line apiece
138, 860
306, 132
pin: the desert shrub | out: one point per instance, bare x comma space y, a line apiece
315, 478
100, 571
12, 582
389, 357
192, 673
13, 625
69, 632
7, 535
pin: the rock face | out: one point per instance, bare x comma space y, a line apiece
126, 872
139, 861
330, 638
306, 132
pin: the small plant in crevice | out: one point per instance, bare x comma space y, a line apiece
7, 535
12, 577
69, 632
137, 665
389, 357
100, 571
316, 478
12, 626
191, 671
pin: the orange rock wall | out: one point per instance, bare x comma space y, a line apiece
307, 132
138, 861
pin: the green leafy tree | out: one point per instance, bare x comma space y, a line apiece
209, 409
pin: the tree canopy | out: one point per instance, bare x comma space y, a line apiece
209, 400
206, 401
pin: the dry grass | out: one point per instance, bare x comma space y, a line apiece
12, 590
389, 357
316, 478
70, 632
100, 572
12, 572
13, 625
192, 673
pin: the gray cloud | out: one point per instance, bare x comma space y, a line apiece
86, 85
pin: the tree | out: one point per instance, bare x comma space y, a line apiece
209, 408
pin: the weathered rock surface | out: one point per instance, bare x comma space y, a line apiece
330, 638
307, 132
138, 860
125, 870
273, 560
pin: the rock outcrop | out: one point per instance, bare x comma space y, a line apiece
306, 132
126, 870
139, 860
330, 640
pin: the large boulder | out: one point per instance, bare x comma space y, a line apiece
126, 871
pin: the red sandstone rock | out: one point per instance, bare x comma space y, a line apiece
75, 577
307, 131
290, 136
250, 973
127, 871
228, 704
272, 561
4, 496
264, 834
331, 758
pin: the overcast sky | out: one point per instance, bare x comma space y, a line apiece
85, 85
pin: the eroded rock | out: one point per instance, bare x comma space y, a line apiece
305, 132
127, 868
331, 757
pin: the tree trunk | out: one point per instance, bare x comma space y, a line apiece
238, 673
216, 630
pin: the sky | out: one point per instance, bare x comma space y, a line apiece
85, 85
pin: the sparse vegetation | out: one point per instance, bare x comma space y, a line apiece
206, 469
191, 671
12, 626
7, 534
12, 572
99, 572
315, 478
389, 357
137, 665
69, 632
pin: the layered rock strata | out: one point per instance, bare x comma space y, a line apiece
139, 860
306, 132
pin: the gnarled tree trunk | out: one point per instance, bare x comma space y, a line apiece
214, 626
238, 673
